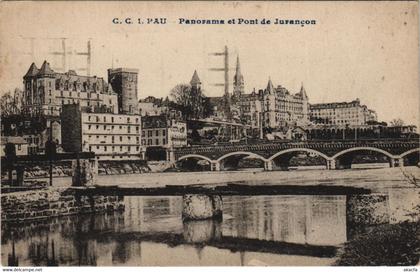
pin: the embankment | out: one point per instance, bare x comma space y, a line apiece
53, 202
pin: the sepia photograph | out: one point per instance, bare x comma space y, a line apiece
199, 133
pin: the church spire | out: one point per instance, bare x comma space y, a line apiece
238, 80
303, 92
238, 66
270, 87
195, 80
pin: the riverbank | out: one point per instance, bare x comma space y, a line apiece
53, 202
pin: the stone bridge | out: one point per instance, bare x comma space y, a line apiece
337, 154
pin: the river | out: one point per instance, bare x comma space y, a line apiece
255, 230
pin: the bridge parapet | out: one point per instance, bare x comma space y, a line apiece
393, 149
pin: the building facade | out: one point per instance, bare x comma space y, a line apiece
45, 92
163, 131
273, 108
124, 82
283, 109
342, 114
110, 136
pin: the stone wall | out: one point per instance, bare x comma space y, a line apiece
52, 202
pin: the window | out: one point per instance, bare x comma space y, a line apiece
113, 148
104, 118
164, 142
137, 139
129, 148
163, 132
112, 139
137, 148
19, 147
128, 129
129, 138
157, 132
120, 148
120, 138
89, 126
112, 120
149, 142
105, 148
89, 118
105, 127
157, 141
149, 133
143, 133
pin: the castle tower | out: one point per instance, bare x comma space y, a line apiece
124, 83
305, 106
195, 81
29, 82
238, 80
269, 105
38, 85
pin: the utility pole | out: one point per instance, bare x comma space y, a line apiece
65, 54
225, 70
50, 152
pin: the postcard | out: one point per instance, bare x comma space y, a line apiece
200, 133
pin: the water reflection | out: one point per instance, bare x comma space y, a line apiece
262, 230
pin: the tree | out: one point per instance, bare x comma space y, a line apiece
191, 101
396, 122
11, 102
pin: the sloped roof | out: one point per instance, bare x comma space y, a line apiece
45, 69
195, 79
303, 92
270, 87
33, 71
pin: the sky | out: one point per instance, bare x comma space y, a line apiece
365, 50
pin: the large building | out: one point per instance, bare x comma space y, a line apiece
283, 109
273, 108
45, 91
343, 113
163, 131
124, 83
111, 136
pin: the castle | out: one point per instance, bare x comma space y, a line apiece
46, 91
272, 108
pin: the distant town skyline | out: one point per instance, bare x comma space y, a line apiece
335, 60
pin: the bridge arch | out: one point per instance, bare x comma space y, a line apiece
386, 153
299, 150
409, 152
240, 153
196, 156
